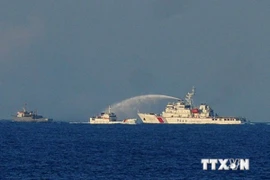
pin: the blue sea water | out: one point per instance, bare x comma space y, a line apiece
84, 151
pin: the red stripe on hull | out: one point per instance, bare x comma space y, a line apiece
160, 119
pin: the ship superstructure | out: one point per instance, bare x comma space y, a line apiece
183, 112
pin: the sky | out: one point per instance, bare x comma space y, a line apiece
72, 59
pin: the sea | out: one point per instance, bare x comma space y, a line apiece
63, 150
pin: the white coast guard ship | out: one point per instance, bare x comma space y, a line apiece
183, 112
110, 118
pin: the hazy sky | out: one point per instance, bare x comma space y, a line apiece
71, 59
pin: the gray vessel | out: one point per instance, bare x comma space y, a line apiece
30, 116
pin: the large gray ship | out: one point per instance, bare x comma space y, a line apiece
30, 116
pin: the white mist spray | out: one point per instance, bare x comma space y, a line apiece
129, 107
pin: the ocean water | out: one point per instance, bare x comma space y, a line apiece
84, 151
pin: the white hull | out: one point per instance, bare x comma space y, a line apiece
155, 119
106, 121
99, 122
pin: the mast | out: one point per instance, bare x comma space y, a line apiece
109, 109
24, 107
189, 96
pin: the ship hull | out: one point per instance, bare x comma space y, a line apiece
29, 119
155, 119
102, 122
105, 121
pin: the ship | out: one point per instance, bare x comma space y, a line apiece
111, 118
184, 112
30, 116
